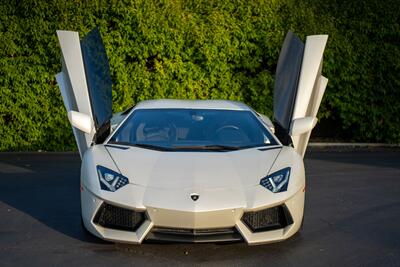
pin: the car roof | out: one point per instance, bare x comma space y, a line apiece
192, 104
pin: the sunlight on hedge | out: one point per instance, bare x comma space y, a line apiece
199, 50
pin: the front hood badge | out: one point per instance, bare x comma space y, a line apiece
194, 196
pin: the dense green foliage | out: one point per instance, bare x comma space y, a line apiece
199, 50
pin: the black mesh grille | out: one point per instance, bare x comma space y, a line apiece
114, 217
268, 219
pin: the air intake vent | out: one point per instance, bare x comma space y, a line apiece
268, 219
118, 218
194, 235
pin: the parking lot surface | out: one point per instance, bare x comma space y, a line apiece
352, 218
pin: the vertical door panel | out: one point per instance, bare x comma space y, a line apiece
286, 81
310, 73
311, 86
72, 83
98, 78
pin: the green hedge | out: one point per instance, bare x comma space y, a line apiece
200, 50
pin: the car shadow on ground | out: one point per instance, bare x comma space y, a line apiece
46, 189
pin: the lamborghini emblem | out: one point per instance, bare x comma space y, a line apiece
194, 196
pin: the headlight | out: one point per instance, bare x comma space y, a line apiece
277, 181
110, 180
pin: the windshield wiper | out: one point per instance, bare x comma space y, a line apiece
255, 146
154, 147
207, 147
141, 145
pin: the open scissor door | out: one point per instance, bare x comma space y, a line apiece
85, 84
299, 86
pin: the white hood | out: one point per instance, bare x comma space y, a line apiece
186, 170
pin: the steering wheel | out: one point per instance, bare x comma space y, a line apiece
227, 127
232, 128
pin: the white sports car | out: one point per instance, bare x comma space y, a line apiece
191, 171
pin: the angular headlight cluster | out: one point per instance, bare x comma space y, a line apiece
277, 181
110, 180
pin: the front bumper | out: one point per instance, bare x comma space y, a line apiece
185, 226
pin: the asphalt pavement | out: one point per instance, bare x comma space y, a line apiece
352, 218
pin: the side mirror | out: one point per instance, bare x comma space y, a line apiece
80, 121
302, 125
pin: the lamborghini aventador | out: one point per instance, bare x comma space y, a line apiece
191, 170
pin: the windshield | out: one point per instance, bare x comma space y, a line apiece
193, 129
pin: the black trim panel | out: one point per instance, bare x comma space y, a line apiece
194, 236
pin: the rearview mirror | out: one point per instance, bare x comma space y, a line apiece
80, 121
302, 125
